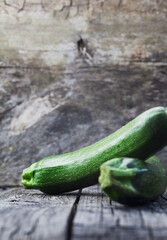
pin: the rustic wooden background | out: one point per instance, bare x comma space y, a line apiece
71, 73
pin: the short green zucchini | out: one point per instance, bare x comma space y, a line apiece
131, 181
140, 138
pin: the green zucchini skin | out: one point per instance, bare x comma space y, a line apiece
140, 138
131, 181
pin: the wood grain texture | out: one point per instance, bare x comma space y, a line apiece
42, 33
30, 214
99, 218
34, 215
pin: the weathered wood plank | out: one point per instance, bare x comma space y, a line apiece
98, 218
30, 214
116, 31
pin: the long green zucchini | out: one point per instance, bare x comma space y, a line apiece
140, 138
131, 181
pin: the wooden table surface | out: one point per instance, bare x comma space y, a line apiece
83, 214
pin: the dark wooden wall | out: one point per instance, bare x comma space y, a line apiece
56, 97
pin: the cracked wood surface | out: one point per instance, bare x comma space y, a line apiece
33, 215
86, 214
44, 33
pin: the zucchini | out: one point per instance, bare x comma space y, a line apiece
133, 182
140, 138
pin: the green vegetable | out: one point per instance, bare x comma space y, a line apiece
140, 138
131, 181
